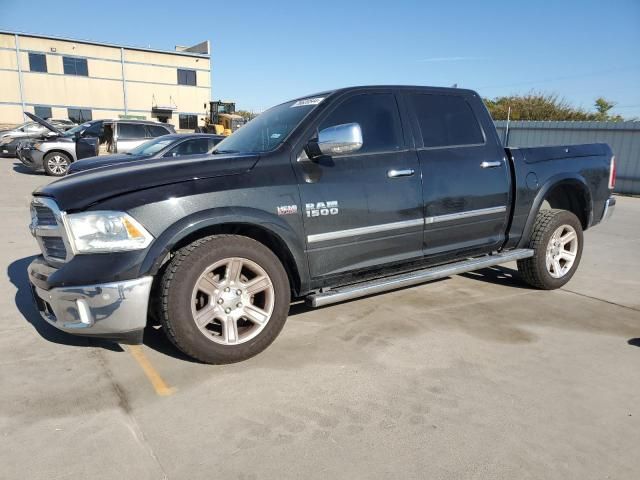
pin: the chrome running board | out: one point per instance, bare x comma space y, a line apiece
348, 292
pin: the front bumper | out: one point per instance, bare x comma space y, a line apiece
30, 157
115, 311
609, 207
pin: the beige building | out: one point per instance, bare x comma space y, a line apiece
57, 77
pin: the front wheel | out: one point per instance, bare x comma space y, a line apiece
556, 241
225, 298
56, 164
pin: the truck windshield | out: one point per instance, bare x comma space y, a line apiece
268, 130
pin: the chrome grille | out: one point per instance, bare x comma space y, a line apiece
45, 216
54, 247
47, 226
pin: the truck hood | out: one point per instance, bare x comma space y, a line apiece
83, 189
103, 161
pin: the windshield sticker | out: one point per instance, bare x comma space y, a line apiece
275, 135
308, 101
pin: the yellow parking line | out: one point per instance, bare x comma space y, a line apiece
159, 385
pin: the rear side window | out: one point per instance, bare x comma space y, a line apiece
213, 142
378, 117
131, 131
446, 120
157, 130
197, 146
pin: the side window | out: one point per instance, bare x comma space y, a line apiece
42, 112
94, 131
378, 117
131, 131
79, 115
187, 122
157, 131
186, 77
75, 66
446, 120
213, 142
37, 62
197, 146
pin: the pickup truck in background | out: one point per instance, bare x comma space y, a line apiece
325, 198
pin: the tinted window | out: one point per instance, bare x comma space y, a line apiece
131, 131
75, 66
157, 131
188, 122
79, 115
190, 147
37, 62
446, 120
186, 77
213, 142
377, 115
42, 112
94, 131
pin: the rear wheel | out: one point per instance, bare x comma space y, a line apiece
56, 164
557, 244
225, 298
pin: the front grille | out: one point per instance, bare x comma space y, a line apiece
54, 247
47, 225
44, 216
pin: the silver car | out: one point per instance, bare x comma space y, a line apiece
54, 153
11, 138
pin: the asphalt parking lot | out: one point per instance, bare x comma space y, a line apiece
474, 376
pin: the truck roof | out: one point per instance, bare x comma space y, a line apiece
397, 87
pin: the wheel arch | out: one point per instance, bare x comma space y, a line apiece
274, 233
565, 192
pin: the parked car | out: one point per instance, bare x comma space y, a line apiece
326, 198
10, 139
54, 153
167, 146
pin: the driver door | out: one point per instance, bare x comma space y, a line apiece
363, 209
88, 142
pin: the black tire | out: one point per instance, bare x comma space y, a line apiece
534, 270
62, 160
176, 290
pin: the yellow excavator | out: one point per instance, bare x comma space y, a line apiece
223, 119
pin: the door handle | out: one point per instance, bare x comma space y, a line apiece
400, 173
490, 164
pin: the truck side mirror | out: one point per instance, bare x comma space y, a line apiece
336, 140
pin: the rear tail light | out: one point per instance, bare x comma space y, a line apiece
612, 173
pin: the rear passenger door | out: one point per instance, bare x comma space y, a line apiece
465, 179
130, 135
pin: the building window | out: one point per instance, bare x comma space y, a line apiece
188, 122
75, 66
37, 62
79, 115
186, 77
42, 112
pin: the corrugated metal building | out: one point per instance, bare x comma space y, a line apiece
623, 137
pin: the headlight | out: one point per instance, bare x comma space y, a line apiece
103, 231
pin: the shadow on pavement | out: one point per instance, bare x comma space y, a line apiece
17, 272
498, 276
20, 168
635, 342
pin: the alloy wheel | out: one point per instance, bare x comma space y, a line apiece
561, 251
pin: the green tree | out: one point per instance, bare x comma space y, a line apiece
544, 106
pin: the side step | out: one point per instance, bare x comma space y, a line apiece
378, 285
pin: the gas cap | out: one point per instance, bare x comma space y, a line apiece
532, 181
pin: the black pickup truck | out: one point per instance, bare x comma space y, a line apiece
325, 198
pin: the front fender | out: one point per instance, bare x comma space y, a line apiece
221, 216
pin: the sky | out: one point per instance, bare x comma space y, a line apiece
264, 53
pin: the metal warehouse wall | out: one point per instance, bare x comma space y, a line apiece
623, 137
